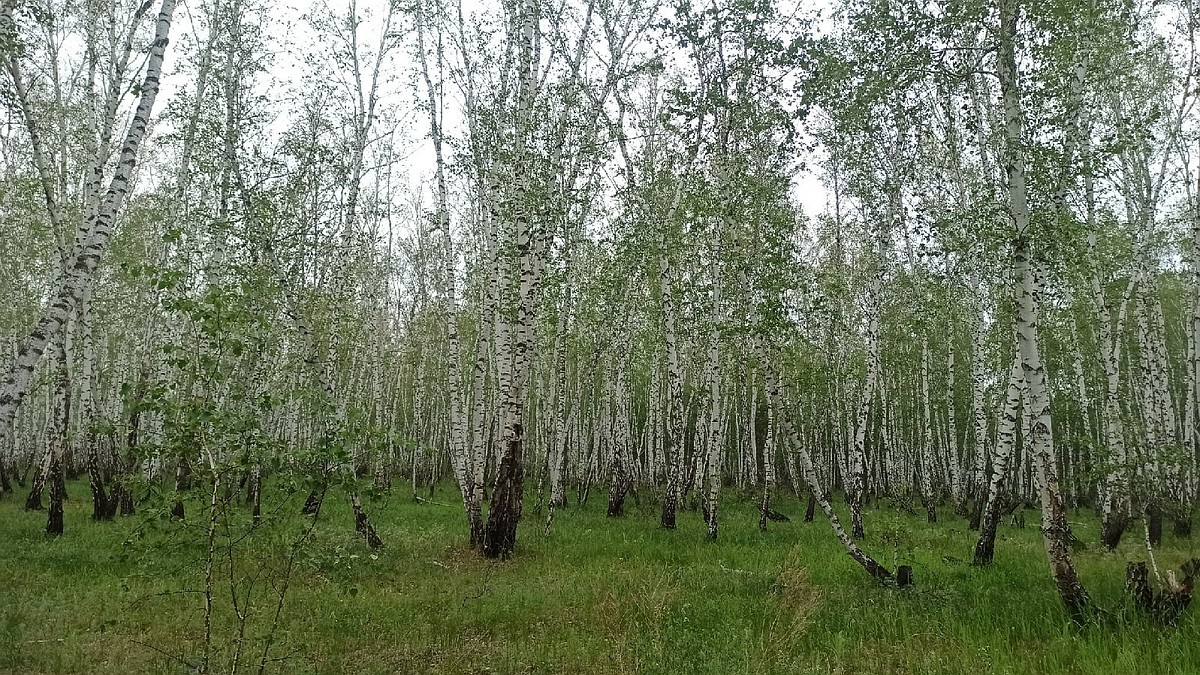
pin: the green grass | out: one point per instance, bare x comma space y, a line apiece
598, 596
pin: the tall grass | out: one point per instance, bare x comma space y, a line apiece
598, 596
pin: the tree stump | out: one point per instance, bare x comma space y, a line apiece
1167, 605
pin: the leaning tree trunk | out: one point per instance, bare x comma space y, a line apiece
774, 391
37, 487
1056, 531
16, 384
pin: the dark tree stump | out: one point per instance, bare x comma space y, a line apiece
1167, 605
100, 498
904, 576
616, 502
362, 524
114, 500
34, 501
618, 490
708, 522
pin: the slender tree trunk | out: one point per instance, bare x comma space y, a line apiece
33, 502
958, 476
57, 442
620, 459
858, 458
1191, 449
1005, 440
927, 459
1115, 506
765, 512
980, 434
716, 421
674, 442
557, 451
1056, 533
100, 497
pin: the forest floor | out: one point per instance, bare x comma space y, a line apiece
599, 595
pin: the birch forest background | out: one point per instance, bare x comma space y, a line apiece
663, 336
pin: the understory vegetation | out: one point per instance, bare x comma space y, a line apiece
600, 595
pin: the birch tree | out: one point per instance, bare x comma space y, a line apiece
95, 227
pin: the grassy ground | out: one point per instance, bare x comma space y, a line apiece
598, 596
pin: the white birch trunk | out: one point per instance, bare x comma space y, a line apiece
857, 483
716, 426
927, 460
16, 383
1056, 533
